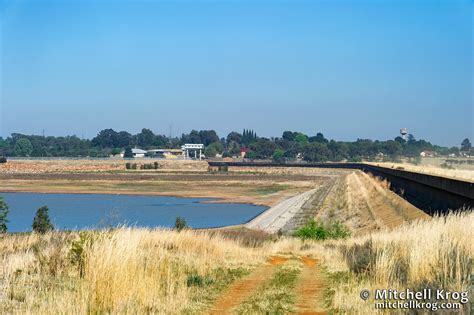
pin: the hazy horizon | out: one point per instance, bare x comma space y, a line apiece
347, 69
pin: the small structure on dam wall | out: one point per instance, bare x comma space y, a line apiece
431, 193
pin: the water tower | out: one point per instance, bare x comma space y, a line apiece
404, 132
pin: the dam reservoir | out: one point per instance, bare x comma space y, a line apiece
95, 211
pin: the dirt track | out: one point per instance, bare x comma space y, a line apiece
309, 291
242, 289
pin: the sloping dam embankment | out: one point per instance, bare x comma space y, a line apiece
430, 193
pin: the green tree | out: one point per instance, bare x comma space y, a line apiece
115, 151
301, 138
41, 222
289, 135
213, 149
210, 152
3, 215
234, 137
124, 139
263, 148
233, 148
316, 152
400, 140
128, 154
180, 224
107, 138
208, 137
23, 147
466, 145
392, 148
339, 150
318, 138
145, 138
278, 156
248, 137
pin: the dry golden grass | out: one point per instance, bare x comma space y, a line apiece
148, 271
308, 171
436, 253
124, 271
364, 204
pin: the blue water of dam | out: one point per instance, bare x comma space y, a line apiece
95, 211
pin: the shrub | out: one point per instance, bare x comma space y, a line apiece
318, 231
360, 258
416, 160
50, 256
3, 216
76, 252
223, 168
180, 224
41, 222
149, 166
197, 280
312, 230
128, 165
3, 159
338, 230
446, 166
115, 151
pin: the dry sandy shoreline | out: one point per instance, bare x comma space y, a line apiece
175, 195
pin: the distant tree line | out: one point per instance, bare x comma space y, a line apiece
290, 146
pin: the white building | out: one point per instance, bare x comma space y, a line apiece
189, 147
136, 153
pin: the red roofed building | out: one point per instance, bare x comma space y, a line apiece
244, 151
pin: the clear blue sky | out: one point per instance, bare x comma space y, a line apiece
350, 69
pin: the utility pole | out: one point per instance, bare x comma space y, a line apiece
170, 135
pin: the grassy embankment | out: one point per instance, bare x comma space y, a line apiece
140, 271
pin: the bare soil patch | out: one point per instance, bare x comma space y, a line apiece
310, 288
242, 289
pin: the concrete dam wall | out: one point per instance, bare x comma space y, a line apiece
431, 193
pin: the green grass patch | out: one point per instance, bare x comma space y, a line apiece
270, 189
319, 231
275, 297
